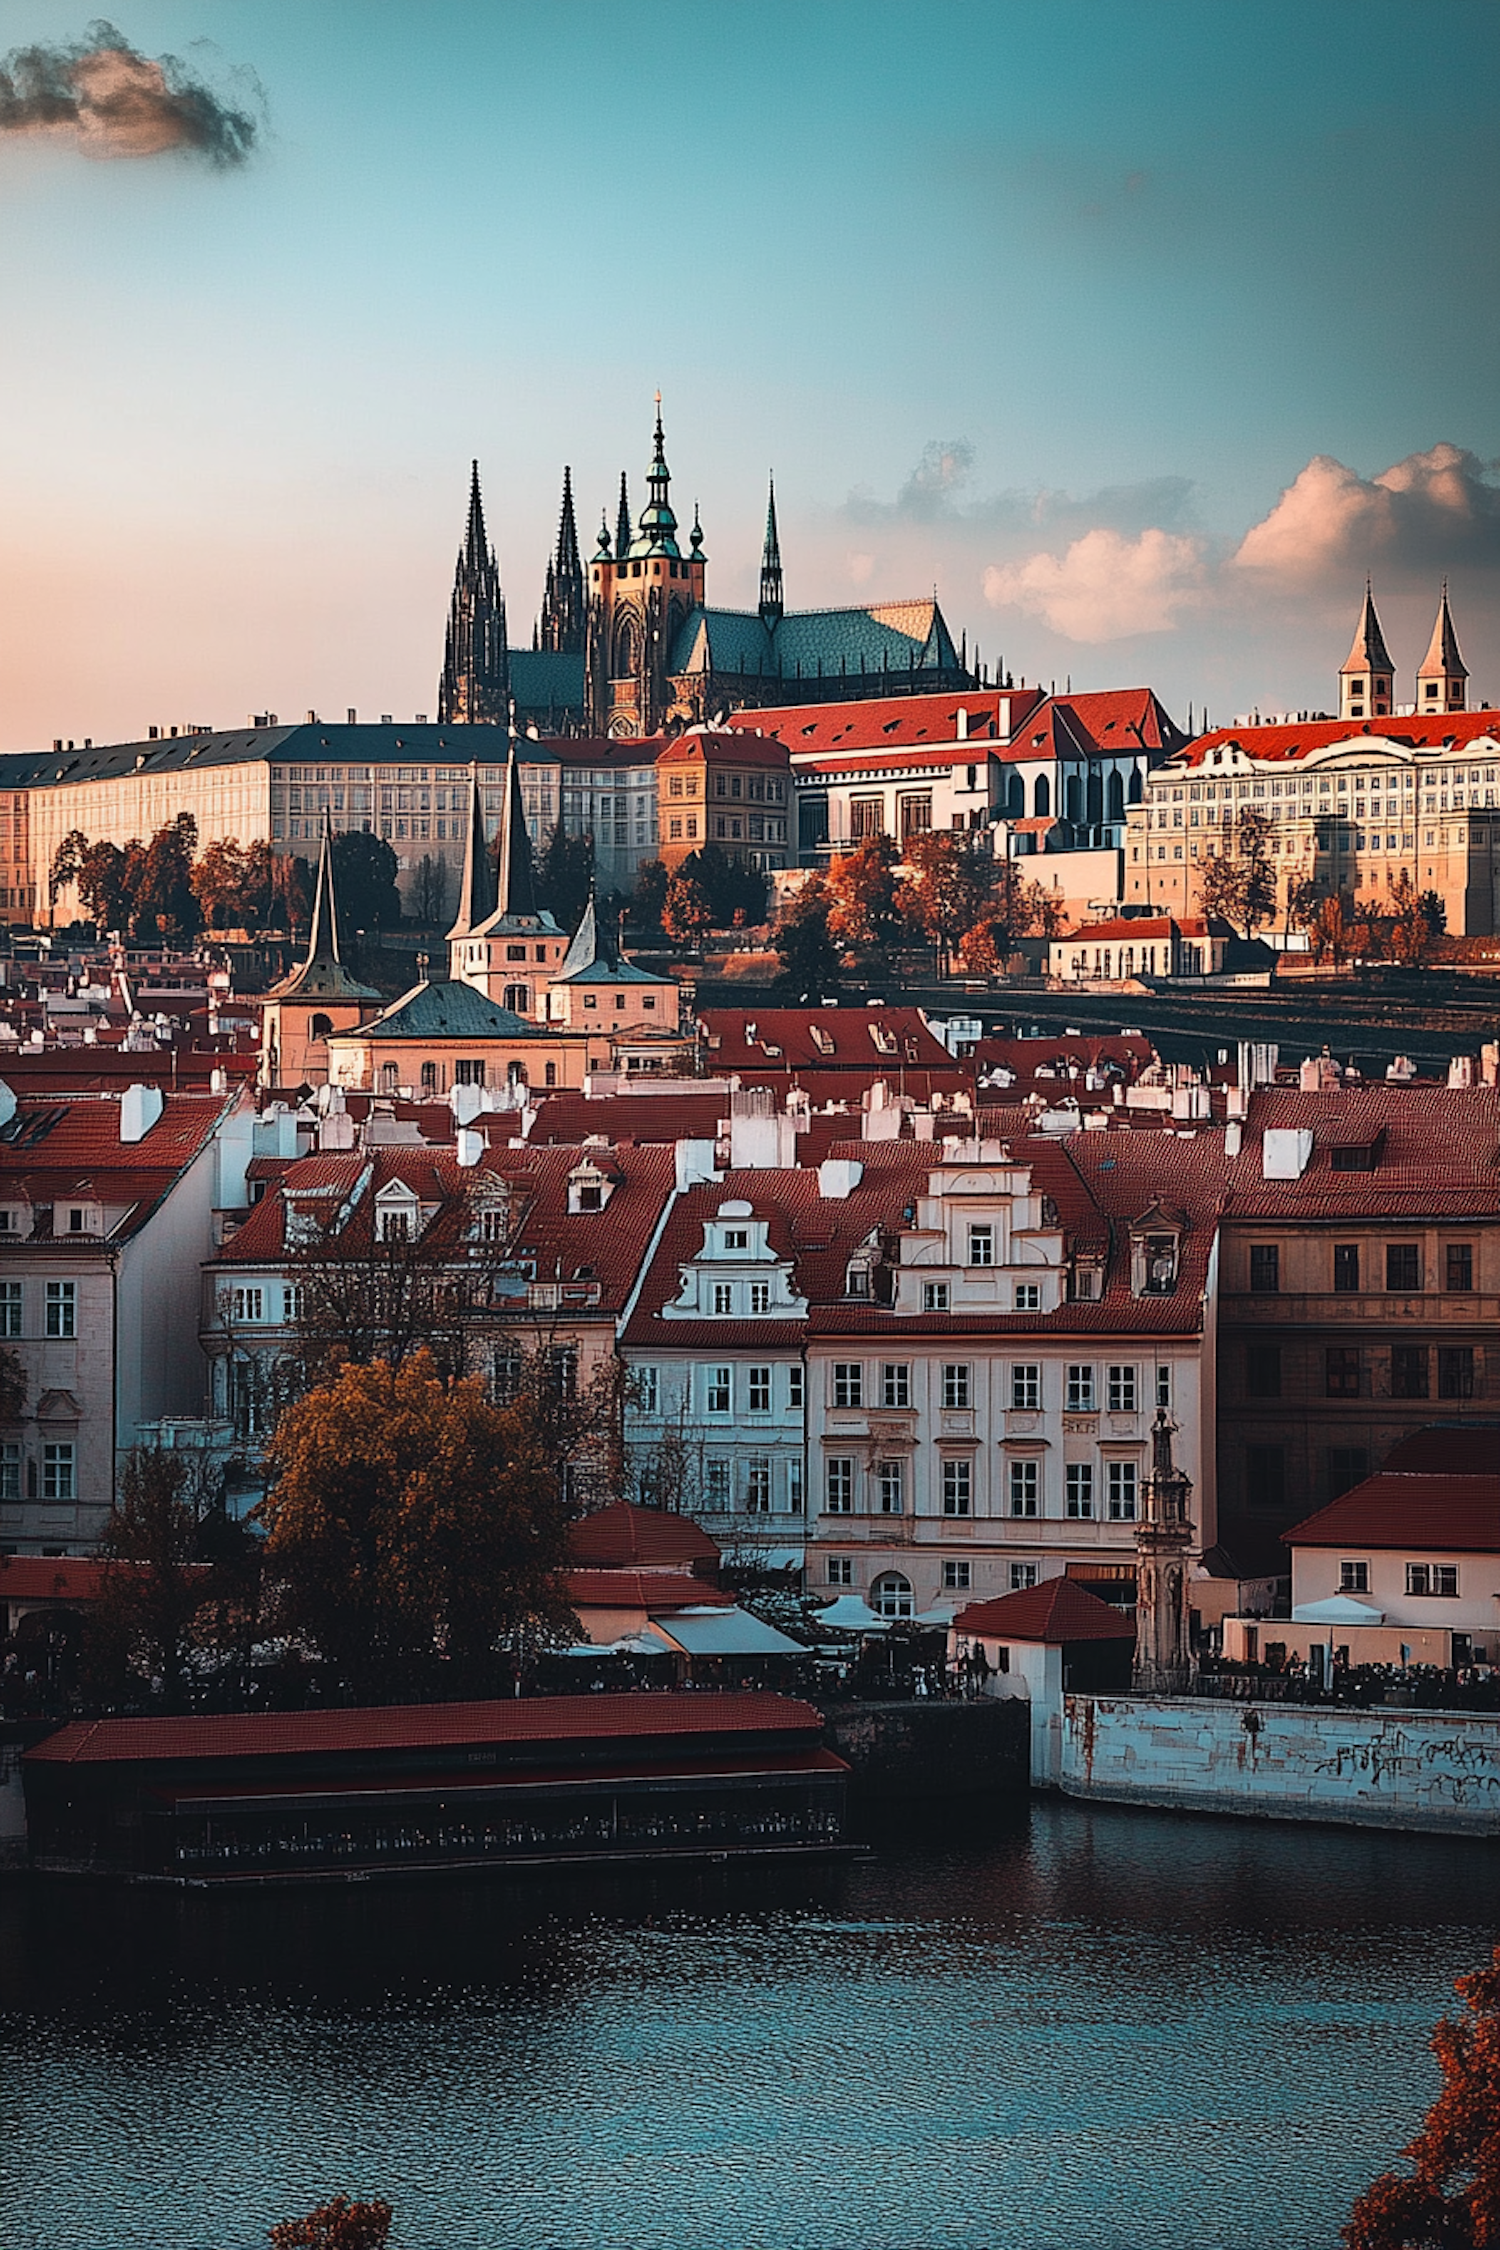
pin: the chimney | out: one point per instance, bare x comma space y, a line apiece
352, 716
140, 1107
1234, 1136
470, 1147
1285, 1152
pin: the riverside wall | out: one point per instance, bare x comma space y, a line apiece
1437, 1771
899, 1752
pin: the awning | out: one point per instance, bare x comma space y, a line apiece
1337, 1609
721, 1632
852, 1614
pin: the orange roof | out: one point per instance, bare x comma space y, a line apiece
624, 1537
1441, 1514
1057, 1611
723, 750
890, 721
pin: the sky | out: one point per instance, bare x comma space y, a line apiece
1143, 331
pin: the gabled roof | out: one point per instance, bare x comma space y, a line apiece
1438, 1153
815, 644
720, 747
450, 1010
1054, 1613
624, 1537
57, 1148
892, 722
1431, 1515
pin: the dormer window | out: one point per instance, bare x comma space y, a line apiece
589, 1188
1161, 1265
736, 1238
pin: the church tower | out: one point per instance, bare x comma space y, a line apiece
318, 997
772, 604
639, 596
1367, 677
501, 942
475, 686
562, 621
1442, 676
1163, 1650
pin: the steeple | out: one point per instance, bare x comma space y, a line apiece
1367, 677
475, 687
321, 974
1442, 675
589, 946
476, 895
514, 888
656, 533
562, 620
622, 523
771, 603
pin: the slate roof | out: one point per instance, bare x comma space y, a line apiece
1440, 1514
544, 679
450, 1010
317, 741
1056, 1612
1284, 744
1439, 1156
816, 643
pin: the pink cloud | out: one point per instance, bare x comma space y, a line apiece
1105, 587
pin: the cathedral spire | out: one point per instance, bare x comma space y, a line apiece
1442, 675
323, 938
516, 892
771, 603
475, 686
562, 620
623, 533
1367, 677
656, 533
476, 895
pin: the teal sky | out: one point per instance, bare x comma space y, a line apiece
1049, 303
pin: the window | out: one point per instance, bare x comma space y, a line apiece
1455, 1371
10, 1308
1022, 1576
1403, 1265
840, 1485
470, 1071
723, 1297
1026, 1387
1080, 1482
1354, 1578
736, 1238
62, 1308
10, 1472
981, 1246
1346, 1267
1263, 1371
58, 1481
1122, 1396
848, 1383
716, 1485
1433, 1578
795, 1385
1028, 1296
1265, 1269
1341, 1371
1265, 1476
1347, 1466
794, 1487
956, 1384
890, 1483
1080, 1390
958, 1487
648, 1389
560, 1370
1409, 1371
840, 1570
956, 1577
759, 1381
890, 1596
1025, 1487
760, 1296
895, 1384
1164, 1386
1122, 1483
718, 1390
758, 1487
1458, 1268
934, 1296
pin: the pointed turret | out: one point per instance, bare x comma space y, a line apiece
321, 974
475, 687
476, 896
1367, 677
656, 533
1442, 676
623, 533
515, 888
590, 947
771, 603
562, 621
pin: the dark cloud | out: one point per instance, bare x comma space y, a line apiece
111, 101
937, 492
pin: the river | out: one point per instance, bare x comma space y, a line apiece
1078, 2026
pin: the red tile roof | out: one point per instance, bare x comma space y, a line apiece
69, 1146
570, 1118
1137, 927
890, 721
624, 1537
644, 1589
1056, 1612
1439, 1514
1278, 745
426, 1726
1439, 1158
50, 1578
849, 1032
729, 749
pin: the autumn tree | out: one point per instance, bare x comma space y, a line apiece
1451, 2200
1239, 884
165, 903
1014, 909
107, 877
410, 1522
687, 913
339, 2224
1332, 930
809, 958
864, 912
947, 886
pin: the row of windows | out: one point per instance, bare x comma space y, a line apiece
1123, 1389
886, 1494
756, 1489
1346, 1375
59, 1308
59, 1473
1421, 1578
937, 1296
891, 1594
756, 1385
1403, 1260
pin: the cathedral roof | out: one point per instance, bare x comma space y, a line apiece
810, 644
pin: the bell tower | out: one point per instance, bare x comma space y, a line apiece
1367, 677
1163, 1652
641, 587
1442, 676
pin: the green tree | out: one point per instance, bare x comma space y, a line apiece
411, 1522
1451, 2199
810, 962
564, 876
364, 874
429, 891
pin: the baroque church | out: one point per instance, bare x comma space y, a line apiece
628, 646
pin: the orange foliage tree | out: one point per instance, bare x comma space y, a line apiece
1452, 2199
864, 911
339, 2224
947, 887
413, 1527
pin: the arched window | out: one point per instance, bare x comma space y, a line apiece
890, 1596
320, 1027
1041, 797
1137, 788
627, 647
516, 1073
1073, 798
1015, 798
1116, 798
390, 1077
1094, 800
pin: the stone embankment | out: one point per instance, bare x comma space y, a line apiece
900, 1752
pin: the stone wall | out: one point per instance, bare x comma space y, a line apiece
1434, 1770
900, 1751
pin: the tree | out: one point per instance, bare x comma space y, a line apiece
368, 1291
290, 892
153, 1582
337, 2225
107, 876
12, 1385
165, 904
1451, 2201
1410, 932
864, 912
429, 891
221, 879
1015, 909
1331, 930
687, 912
809, 959
650, 895
409, 1521
947, 887
364, 874
1239, 884
565, 875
